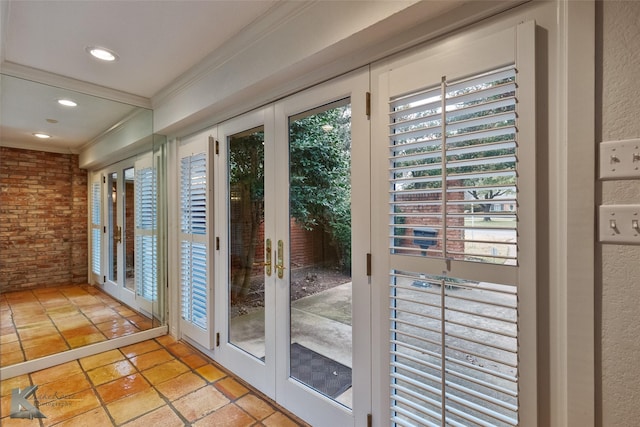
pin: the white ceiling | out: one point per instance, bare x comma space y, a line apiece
156, 41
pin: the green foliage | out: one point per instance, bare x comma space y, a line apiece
246, 168
246, 183
320, 181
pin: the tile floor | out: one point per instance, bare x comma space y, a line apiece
158, 382
40, 322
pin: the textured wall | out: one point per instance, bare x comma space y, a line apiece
43, 219
619, 299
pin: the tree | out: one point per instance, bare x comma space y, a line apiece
491, 193
320, 180
320, 186
246, 184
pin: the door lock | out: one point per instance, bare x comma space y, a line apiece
280, 260
267, 257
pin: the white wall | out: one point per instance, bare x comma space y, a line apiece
618, 290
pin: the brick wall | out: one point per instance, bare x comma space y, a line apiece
43, 219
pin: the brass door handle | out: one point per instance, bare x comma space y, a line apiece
280, 260
267, 257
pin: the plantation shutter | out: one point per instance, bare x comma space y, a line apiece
96, 227
145, 232
195, 274
453, 162
461, 258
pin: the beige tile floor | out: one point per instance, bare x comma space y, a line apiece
158, 382
39, 322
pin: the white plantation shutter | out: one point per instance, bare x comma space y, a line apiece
195, 275
146, 229
461, 240
457, 179
457, 339
96, 227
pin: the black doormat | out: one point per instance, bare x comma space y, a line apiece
319, 372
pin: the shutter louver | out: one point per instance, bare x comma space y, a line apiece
456, 199
145, 218
96, 228
457, 339
453, 195
194, 249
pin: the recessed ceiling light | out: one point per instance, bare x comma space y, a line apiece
41, 135
102, 53
67, 102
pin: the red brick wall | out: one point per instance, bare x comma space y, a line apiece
456, 242
43, 219
308, 248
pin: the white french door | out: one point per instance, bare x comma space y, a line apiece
292, 217
119, 230
454, 232
244, 214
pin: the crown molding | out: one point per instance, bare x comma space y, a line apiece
51, 79
277, 16
39, 146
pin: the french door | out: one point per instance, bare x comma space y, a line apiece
292, 211
119, 244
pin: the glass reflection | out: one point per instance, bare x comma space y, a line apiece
320, 242
246, 240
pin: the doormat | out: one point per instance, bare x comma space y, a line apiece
319, 372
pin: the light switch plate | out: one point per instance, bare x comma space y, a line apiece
620, 224
620, 159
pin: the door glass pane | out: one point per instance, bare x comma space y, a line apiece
320, 249
246, 241
114, 230
129, 228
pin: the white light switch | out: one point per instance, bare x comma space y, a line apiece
620, 159
620, 224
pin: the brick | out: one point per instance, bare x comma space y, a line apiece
43, 219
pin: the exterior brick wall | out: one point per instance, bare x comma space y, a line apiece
308, 248
455, 238
43, 219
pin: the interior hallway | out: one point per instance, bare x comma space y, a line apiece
44, 321
159, 382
